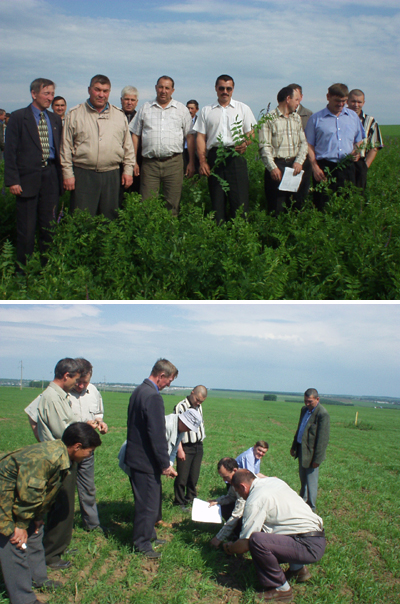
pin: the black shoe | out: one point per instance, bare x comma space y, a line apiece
151, 554
60, 564
72, 551
99, 529
159, 541
48, 584
184, 508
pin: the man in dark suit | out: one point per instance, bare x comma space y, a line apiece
147, 454
310, 443
32, 167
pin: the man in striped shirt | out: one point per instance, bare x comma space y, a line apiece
373, 138
190, 451
283, 145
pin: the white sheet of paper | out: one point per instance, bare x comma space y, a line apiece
201, 512
290, 182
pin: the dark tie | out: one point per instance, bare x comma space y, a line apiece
44, 137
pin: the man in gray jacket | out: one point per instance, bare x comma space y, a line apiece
310, 443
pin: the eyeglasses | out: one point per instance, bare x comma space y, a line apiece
227, 88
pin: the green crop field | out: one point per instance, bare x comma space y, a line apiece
390, 130
359, 495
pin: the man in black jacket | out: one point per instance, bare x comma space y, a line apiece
32, 167
147, 454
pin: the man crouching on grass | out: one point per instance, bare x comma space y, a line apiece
278, 526
30, 479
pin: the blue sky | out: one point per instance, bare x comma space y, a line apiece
337, 348
263, 44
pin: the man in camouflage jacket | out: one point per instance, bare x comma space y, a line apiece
30, 479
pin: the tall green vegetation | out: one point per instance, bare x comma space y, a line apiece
350, 252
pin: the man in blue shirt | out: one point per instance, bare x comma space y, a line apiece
333, 136
251, 459
32, 167
310, 443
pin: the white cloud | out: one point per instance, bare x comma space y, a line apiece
263, 44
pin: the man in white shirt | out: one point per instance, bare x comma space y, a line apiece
162, 126
278, 526
229, 123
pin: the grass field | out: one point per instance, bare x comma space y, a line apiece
359, 495
390, 130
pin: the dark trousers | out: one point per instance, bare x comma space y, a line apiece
38, 211
278, 200
147, 493
268, 551
361, 169
235, 173
21, 567
188, 473
87, 493
97, 192
60, 519
341, 173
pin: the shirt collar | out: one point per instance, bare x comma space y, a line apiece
94, 109
230, 104
345, 111
36, 111
172, 103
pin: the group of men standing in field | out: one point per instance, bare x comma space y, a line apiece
96, 151
274, 524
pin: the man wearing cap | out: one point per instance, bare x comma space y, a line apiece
177, 425
190, 451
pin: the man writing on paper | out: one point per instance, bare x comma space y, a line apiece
283, 145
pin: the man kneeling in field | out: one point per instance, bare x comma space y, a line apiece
278, 526
30, 479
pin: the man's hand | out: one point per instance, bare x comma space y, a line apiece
19, 537
276, 174
181, 453
16, 189
69, 184
296, 168
212, 502
102, 426
241, 148
126, 180
293, 452
136, 170
190, 170
318, 173
204, 169
170, 472
241, 546
356, 154
215, 542
94, 423
38, 524
315, 465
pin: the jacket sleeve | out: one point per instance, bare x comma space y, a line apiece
322, 438
156, 431
30, 491
67, 148
11, 147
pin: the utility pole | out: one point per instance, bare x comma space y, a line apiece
20, 384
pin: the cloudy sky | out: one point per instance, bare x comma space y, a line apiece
263, 44
336, 348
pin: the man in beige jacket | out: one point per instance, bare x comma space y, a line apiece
95, 142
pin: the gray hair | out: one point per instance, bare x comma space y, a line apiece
129, 90
166, 367
311, 392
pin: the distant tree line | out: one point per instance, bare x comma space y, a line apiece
270, 397
38, 384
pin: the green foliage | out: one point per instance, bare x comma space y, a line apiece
349, 252
270, 397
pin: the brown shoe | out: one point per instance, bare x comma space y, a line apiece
299, 575
276, 595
